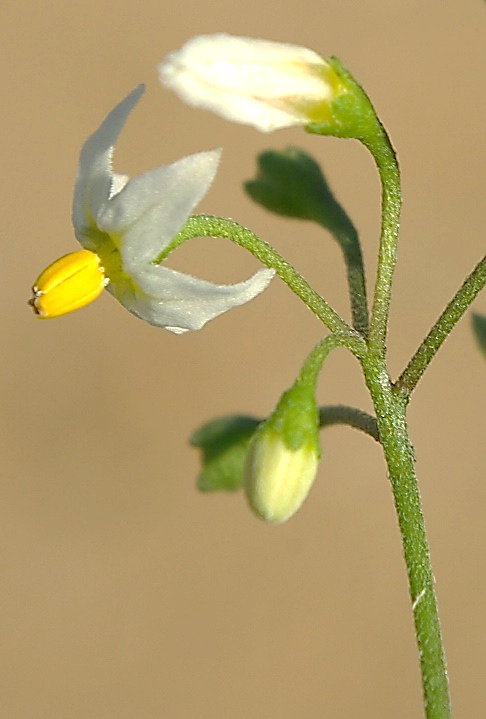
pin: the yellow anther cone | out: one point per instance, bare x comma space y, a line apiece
71, 282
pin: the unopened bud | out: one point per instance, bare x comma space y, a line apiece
283, 455
257, 82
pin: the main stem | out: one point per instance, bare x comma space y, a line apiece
390, 410
390, 407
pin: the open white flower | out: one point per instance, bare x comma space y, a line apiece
258, 82
124, 225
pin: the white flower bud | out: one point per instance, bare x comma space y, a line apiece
257, 82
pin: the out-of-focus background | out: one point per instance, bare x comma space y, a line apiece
126, 593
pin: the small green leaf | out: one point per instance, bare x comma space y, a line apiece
291, 183
479, 329
224, 443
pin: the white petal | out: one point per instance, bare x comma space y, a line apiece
246, 80
118, 182
153, 207
180, 302
94, 181
243, 49
228, 104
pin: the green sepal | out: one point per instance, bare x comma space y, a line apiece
296, 418
479, 329
351, 111
224, 442
291, 183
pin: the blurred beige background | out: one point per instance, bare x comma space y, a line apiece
125, 593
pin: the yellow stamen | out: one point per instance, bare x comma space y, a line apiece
71, 282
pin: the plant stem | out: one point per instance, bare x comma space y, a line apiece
384, 155
461, 301
346, 235
353, 258
210, 226
390, 410
332, 216
309, 372
351, 416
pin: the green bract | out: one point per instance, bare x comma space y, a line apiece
224, 443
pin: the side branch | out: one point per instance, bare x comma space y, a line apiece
211, 226
353, 417
461, 301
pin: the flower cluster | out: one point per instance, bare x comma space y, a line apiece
126, 226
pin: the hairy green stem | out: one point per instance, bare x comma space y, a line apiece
392, 425
390, 408
333, 217
461, 301
312, 366
384, 155
346, 235
351, 416
353, 258
209, 226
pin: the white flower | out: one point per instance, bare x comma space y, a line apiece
127, 223
266, 84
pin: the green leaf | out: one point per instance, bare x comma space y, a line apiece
224, 443
479, 329
291, 183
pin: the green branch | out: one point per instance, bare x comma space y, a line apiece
210, 226
461, 301
346, 235
384, 155
342, 414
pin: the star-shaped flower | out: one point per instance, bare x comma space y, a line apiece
124, 225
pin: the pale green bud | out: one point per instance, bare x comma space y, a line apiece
282, 457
